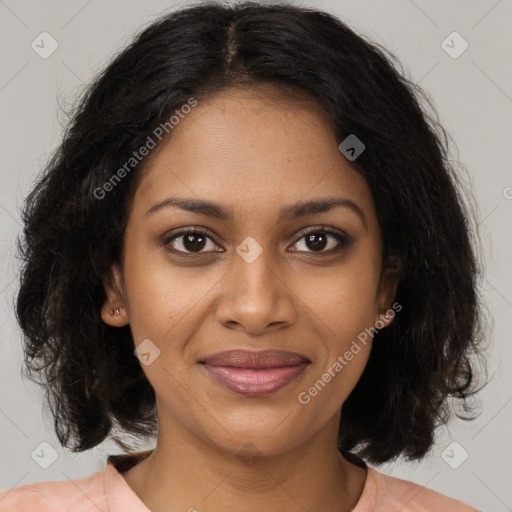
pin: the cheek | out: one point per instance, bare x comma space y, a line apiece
345, 299
342, 314
164, 299
346, 339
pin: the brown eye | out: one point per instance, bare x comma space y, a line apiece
191, 241
317, 240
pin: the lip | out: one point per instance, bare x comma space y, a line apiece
251, 359
255, 373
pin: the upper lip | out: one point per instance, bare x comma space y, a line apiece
251, 359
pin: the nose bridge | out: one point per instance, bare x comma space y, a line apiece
253, 266
254, 275
255, 295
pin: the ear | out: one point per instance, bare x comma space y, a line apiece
113, 311
386, 293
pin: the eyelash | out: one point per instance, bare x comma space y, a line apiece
343, 239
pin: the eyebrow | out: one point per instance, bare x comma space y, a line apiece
294, 211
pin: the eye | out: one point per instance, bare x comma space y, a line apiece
189, 241
317, 239
195, 241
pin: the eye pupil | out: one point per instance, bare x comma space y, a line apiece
315, 244
190, 245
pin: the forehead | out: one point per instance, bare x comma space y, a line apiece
257, 147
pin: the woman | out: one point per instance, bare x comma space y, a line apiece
252, 246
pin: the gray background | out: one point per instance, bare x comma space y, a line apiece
473, 95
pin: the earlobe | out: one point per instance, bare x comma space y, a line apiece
116, 317
113, 311
383, 320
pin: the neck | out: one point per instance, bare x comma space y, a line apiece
186, 472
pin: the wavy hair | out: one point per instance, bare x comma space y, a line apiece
93, 382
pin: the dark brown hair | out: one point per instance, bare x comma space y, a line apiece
93, 381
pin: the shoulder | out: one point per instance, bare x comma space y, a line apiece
396, 494
80, 495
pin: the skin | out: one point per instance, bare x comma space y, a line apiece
217, 449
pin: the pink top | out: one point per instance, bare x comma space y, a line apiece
108, 491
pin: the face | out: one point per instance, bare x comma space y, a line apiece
270, 273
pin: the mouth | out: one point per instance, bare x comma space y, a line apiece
255, 373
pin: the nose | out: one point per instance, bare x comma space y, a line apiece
255, 296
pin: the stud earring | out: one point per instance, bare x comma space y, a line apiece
114, 312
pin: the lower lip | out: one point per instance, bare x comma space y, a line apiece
254, 382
